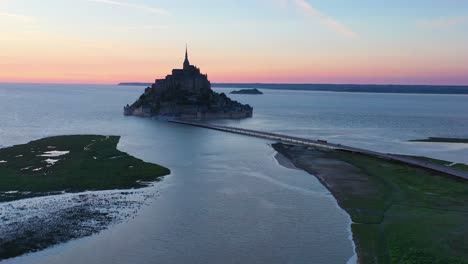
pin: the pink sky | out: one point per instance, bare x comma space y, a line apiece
281, 41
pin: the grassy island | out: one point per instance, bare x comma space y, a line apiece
442, 140
71, 164
400, 214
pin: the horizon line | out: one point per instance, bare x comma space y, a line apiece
245, 83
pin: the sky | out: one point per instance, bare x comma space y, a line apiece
242, 41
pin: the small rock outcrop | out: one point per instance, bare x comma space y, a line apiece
247, 91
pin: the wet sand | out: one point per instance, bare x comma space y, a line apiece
31, 225
346, 182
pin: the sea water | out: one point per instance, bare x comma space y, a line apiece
227, 199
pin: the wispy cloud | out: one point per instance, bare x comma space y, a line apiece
445, 22
132, 28
17, 17
329, 22
133, 6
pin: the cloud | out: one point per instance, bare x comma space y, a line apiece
21, 18
133, 28
446, 22
133, 6
329, 22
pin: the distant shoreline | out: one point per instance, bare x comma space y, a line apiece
441, 140
356, 88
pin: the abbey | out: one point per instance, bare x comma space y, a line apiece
188, 79
186, 93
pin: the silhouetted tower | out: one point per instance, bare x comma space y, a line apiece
186, 62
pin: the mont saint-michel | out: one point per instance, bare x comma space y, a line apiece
186, 93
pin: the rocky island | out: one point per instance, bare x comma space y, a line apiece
186, 93
247, 91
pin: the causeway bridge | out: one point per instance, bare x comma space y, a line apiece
327, 145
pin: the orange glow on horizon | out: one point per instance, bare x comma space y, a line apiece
88, 63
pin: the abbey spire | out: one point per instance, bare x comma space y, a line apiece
186, 62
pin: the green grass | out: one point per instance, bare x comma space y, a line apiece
94, 163
456, 166
425, 218
442, 140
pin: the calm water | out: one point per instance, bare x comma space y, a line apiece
382, 122
228, 201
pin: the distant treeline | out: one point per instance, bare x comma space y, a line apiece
358, 88
361, 88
